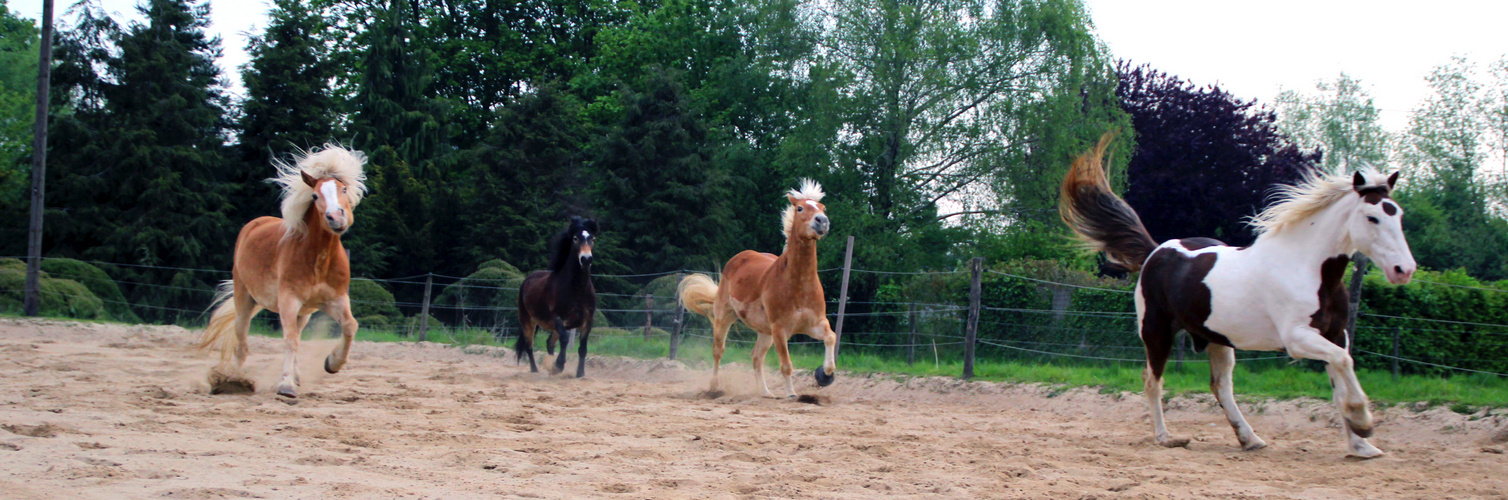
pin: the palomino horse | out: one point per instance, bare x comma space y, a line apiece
291, 266
561, 298
778, 297
1282, 293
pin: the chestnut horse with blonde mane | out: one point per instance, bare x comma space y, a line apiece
777, 297
292, 266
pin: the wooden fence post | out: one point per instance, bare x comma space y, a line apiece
843, 295
680, 316
32, 298
649, 314
976, 268
1395, 354
429, 280
1355, 292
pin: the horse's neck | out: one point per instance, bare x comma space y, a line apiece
1310, 242
800, 258
573, 273
319, 245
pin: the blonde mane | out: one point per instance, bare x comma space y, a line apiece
329, 162
810, 190
1300, 202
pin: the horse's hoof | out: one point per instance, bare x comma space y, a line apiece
823, 378
1254, 445
287, 391
1368, 452
327, 365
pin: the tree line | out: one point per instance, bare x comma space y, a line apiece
940, 131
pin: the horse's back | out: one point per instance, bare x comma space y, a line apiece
744, 274
1216, 292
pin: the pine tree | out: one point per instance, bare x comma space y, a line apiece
142, 181
288, 102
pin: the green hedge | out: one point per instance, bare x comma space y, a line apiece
1473, 332
59, 297
97, 281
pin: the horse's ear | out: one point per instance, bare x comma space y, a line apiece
1358, 180
1392, 181
792, 199
307, 179
591, 225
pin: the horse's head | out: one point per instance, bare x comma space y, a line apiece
582, 234
806, 217
1376, 227
333, 199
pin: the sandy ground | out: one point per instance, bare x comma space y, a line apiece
109, 411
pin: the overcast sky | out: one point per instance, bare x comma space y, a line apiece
1253, 49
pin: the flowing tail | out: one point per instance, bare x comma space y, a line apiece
697, 293
218, 334
1100, 218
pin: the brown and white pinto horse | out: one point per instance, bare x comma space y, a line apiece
291, 266
1282, 293
777, 297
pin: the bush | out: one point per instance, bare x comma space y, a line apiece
97, 281
486, 297
59, 297
1451, 296
369, 300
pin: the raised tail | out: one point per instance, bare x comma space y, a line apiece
1100, 218
697, 293
219, 333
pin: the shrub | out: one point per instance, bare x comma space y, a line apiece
369, 300
59, 297
97, 281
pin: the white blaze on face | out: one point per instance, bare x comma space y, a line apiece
586, 251
813, 204
332, 204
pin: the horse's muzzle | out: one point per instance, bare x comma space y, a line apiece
585, 259
820, 225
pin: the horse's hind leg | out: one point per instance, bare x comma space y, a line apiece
1222, 365
584, 333
720, 325
761, 348
340, 309
1157, 336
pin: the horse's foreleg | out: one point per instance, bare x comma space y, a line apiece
341, 309
565, 342
246, 309
829, 369
761, 348
293, 327
1307, 343
1222, 366
585, 332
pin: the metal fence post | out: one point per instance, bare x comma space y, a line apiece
976, 268
429, 280
843, 294
33, 299
649, 314
911, 344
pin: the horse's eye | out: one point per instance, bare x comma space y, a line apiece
344, 190
800, 209
1372, 219
316, 197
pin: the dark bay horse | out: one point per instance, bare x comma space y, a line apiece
292, 266
1282, 293
561, 299
777, 296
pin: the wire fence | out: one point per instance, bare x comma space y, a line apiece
1014, 317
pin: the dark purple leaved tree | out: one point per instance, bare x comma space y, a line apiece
1204, 159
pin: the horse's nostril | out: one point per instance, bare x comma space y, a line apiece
1398, 269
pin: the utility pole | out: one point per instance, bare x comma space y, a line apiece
39, 167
